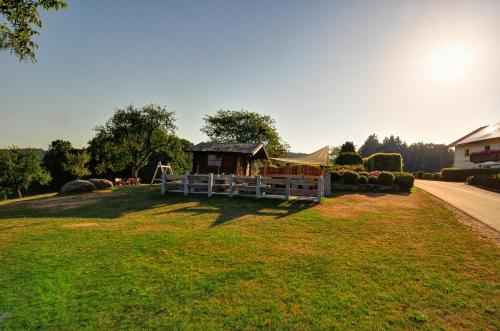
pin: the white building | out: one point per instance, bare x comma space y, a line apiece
479, 146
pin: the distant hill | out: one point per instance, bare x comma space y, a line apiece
292, 154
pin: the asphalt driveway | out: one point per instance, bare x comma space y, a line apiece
481, 204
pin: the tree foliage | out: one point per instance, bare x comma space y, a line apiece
131, 136
19, 168
347, 147
54, 160
371, 146
245, 127
22, 18
76, 164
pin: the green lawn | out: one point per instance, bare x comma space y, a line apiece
132, 258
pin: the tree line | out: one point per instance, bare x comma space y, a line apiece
419, 156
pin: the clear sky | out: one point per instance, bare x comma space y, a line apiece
326, 71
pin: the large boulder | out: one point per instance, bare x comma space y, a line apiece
77, 186
101, 184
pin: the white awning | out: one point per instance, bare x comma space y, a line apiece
318, 157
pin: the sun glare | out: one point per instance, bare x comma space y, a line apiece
449, 62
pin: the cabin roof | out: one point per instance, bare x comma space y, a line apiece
239, 148
483, 133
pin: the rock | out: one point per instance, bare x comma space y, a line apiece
101, 184
77, 186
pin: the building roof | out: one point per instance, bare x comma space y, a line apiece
239, 148
483, 133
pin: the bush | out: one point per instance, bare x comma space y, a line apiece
350, 177
349, 158
364, 173
436, 176
336, 176
427, 176
492, 182
363, 180
419, 174
460, 175
404, 180
372, 180
384, 162
5, 192
386, 178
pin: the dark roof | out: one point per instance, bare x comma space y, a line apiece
240, 148
480, 134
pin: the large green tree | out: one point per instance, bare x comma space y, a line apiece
131, 136
245, 127
21, 167
54, 160
21, 20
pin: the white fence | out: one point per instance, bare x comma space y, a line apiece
258, 186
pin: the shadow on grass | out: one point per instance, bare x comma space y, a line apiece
121, 201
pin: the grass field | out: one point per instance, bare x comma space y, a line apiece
132, 258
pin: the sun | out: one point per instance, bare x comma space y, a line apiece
449, 62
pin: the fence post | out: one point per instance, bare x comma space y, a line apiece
186, 180
257, 186
320, 189
328, 184
231, 185
210, 183
163, 182
287, 188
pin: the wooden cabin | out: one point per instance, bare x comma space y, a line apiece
226, 158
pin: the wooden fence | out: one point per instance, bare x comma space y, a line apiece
300, 170
231, 185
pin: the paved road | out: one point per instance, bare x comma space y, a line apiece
480, 204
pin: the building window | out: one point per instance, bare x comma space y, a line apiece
466, 152
487, 147
214, 160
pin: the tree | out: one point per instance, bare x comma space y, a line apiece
394, 144
334, 153
22, 19
131, 136
76, 164
347, 147
370, 146
244, 127
54, 160
19, 168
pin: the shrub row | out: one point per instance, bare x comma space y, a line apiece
349, 158
461, 175
384, 162
402, 179
428, 175
484, 181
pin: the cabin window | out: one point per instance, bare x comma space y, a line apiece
214, 160
466, 152
487, 147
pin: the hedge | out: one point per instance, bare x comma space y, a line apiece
350, 177
384, 162
460, 175
484, 181
349, 158
386, 178
404, 180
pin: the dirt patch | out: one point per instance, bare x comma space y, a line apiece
353, 205
80, 225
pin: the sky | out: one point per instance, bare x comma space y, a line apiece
326, 71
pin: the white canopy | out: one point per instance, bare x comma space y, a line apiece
318, 157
